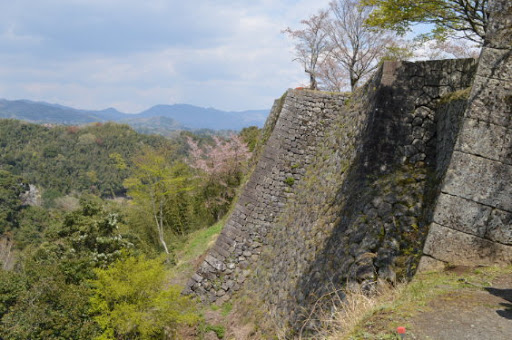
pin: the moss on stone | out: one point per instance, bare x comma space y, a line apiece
456, 95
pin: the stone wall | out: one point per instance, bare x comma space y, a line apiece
347, 191
362, 209
294, 130
343, 190
472, 222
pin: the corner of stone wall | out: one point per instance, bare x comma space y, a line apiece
361, 211
472, 221
345, 190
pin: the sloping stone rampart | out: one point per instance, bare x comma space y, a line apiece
342, 189
361, 211
472, 223
294, 130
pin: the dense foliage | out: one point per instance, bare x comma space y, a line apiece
60, 280
466, 18
130, 301
64, 159
11, 188
87, 266
47, 296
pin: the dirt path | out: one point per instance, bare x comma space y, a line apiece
471, 313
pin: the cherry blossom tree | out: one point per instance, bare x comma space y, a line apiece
356, 48
222, 157
447, 48
312, 44
337, 48
222, 164
332, 76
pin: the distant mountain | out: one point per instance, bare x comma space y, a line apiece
197, 117
160, 119
39, 112
158, 125
111, 114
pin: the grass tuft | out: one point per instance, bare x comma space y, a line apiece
357, 314
188, 252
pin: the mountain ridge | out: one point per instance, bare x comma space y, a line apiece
177, 116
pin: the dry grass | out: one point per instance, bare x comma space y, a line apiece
348, 309
358, 314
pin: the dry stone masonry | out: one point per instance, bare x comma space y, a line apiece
361, 211
295, 128
349, 190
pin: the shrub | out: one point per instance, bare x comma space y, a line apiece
131, 300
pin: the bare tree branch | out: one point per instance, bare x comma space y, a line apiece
312, 44
355, 46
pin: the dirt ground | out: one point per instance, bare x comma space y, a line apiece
469, 314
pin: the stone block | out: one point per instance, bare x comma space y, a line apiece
219, 252
490, 101
197, 278
480, 180
459, 248
499, 32
227, 240
499, 227
418, 132
461, 214
429, 264
423, 112
215, 263
496, 64
389, 70
486, 139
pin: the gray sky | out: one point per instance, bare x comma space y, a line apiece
133, 54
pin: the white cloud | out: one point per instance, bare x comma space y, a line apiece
134, 54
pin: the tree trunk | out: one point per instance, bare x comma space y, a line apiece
313, 85
353, 83
160, 228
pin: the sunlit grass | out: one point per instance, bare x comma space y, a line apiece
189, 252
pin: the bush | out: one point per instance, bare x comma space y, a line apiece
131, 300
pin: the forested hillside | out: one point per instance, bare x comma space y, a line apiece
93, 260
62, 159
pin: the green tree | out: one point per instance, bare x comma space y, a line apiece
11, 188
12, 284
88, 237
152, 185
397, 51
450, 17
132, 301
250, 135
61, 160
49, 308
33, 222
52, 298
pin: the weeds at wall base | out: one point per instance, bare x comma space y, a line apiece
363, 316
